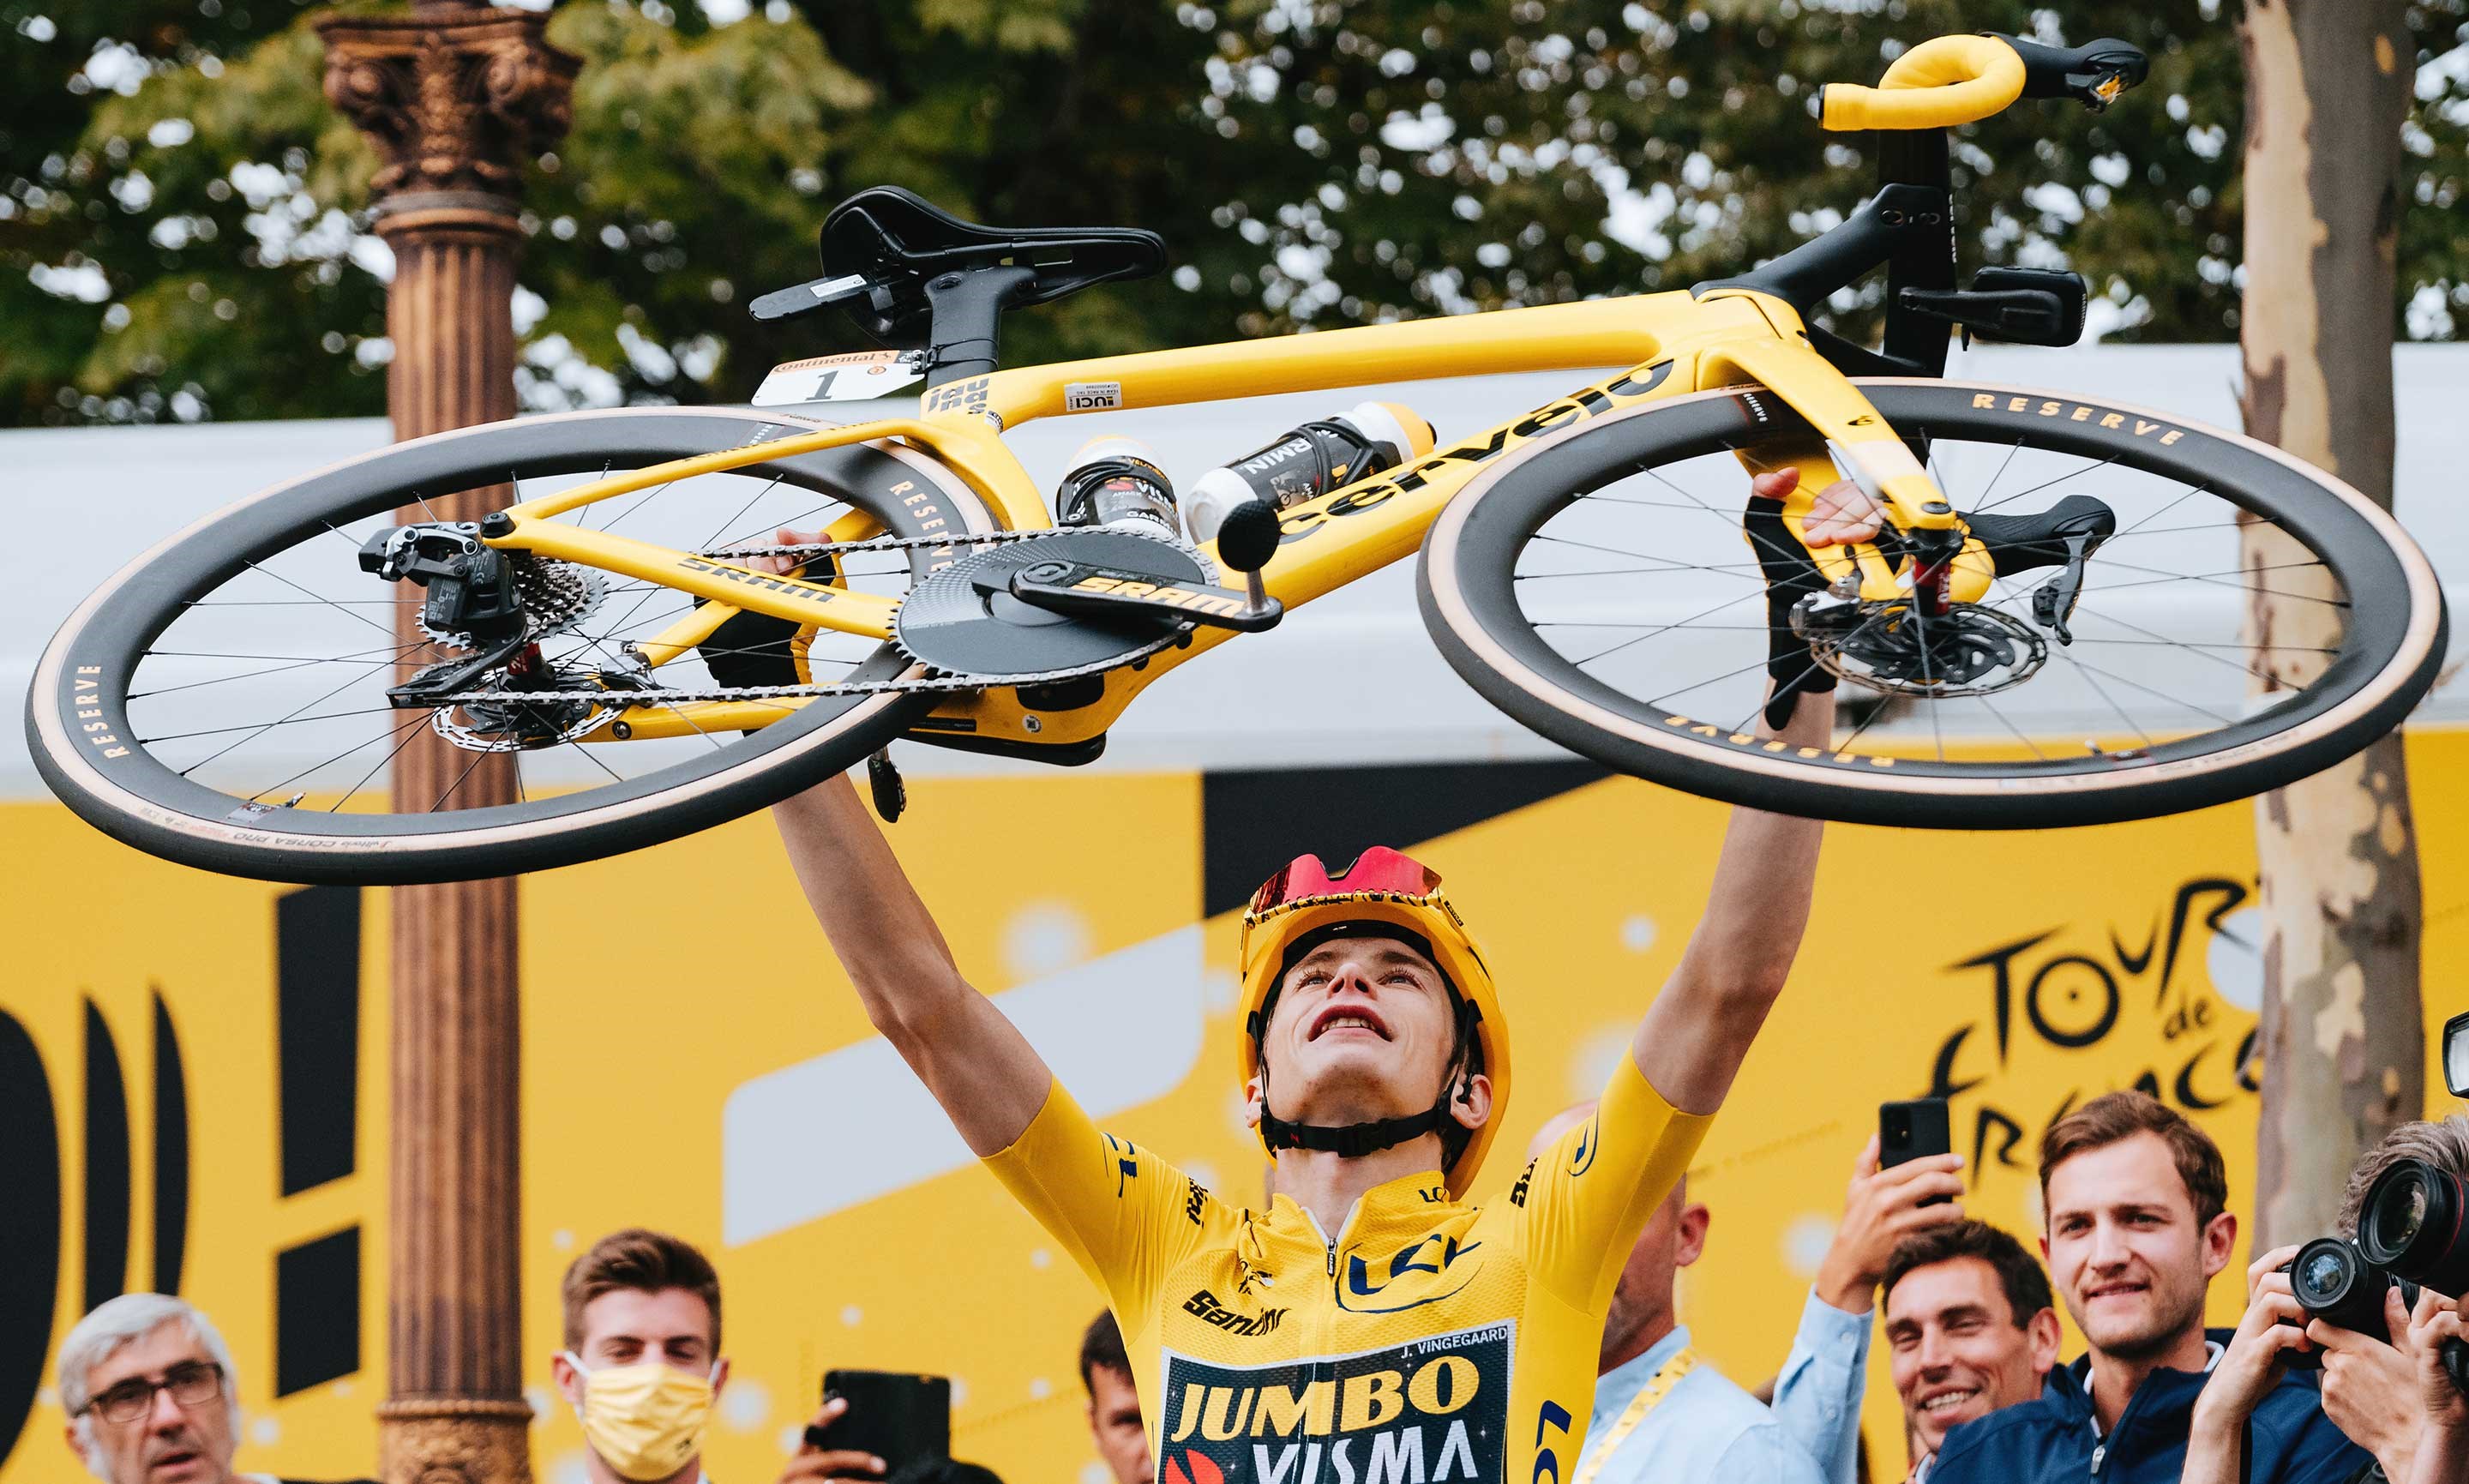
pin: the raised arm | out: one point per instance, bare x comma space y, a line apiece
976, 1063
1692, 1041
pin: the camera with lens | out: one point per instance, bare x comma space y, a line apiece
2333, 1282
2415, 1225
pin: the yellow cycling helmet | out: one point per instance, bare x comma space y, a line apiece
1386, 894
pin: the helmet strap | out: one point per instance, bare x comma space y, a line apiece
1353, 1141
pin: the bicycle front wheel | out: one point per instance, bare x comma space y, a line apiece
222, 701
2251, 620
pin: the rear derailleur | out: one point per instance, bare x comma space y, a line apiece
485, 601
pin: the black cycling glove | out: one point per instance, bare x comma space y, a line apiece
1790, 575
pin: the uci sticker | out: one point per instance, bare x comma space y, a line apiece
1092, 396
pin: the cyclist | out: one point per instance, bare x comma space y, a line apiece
1368, 1325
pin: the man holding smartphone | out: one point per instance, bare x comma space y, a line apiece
1369, 1322
2135, 1200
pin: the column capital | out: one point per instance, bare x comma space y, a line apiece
456, 97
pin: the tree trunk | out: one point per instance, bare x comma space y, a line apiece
2342, 1035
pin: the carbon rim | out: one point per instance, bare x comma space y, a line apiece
83, 685
1478, 561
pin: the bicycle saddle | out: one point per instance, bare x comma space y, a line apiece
897, 240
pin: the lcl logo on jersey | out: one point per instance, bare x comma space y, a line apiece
1425, 1271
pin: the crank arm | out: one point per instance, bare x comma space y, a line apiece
1084, 588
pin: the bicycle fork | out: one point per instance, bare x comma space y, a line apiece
1946, 564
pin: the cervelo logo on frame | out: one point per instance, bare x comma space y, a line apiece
1627, 387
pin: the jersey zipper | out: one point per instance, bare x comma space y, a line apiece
1344, 1227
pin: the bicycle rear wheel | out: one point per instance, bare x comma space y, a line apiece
1580, 586
221, 701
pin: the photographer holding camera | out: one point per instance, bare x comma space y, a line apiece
2352, 1305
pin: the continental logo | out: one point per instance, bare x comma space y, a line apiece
1204, 1306
88, 694
1758, 743
1197, 599
1627, 387
738, 575
2079, 412
1430, 1411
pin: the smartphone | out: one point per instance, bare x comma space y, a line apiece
898, 1415
2456, 1055
1908, 1130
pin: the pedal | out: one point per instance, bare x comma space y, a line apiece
2018, 306
1099, 591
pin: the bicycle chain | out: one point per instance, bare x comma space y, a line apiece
666, 696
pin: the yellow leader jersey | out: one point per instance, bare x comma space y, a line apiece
1423, 1342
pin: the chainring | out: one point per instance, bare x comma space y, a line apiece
951, 624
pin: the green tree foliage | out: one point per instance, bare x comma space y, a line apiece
183, 223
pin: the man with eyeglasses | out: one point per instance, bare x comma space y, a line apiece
149, 1388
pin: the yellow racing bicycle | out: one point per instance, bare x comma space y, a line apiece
2077, 610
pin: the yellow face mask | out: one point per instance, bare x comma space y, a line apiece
644, 1420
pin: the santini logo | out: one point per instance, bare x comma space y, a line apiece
1205, 1304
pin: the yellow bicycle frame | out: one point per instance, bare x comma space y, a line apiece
1673, 343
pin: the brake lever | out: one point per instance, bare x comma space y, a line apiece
2053, 602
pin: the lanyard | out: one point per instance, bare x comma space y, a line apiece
1648, 1396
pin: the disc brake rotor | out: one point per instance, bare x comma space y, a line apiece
1970, 650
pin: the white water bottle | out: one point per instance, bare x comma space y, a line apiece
1310, 460
1115, 481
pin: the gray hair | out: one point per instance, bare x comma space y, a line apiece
2443, 1143
113, 1326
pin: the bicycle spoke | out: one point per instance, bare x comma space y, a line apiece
476, 758
416, 719
406, 734
328, 602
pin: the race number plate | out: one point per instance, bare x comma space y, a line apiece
851, 378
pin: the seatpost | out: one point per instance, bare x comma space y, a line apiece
968, 319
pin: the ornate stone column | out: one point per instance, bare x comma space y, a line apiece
456, 95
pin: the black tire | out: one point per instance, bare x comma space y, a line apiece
2390, 651
76, 716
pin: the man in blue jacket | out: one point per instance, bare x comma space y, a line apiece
2134, 1198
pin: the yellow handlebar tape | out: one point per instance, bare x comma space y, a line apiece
1936, 85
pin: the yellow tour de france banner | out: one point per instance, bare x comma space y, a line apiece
193, 1086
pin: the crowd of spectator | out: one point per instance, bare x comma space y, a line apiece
2136, 1229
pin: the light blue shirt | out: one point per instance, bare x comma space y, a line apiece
1706, 1431
1817, 1397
